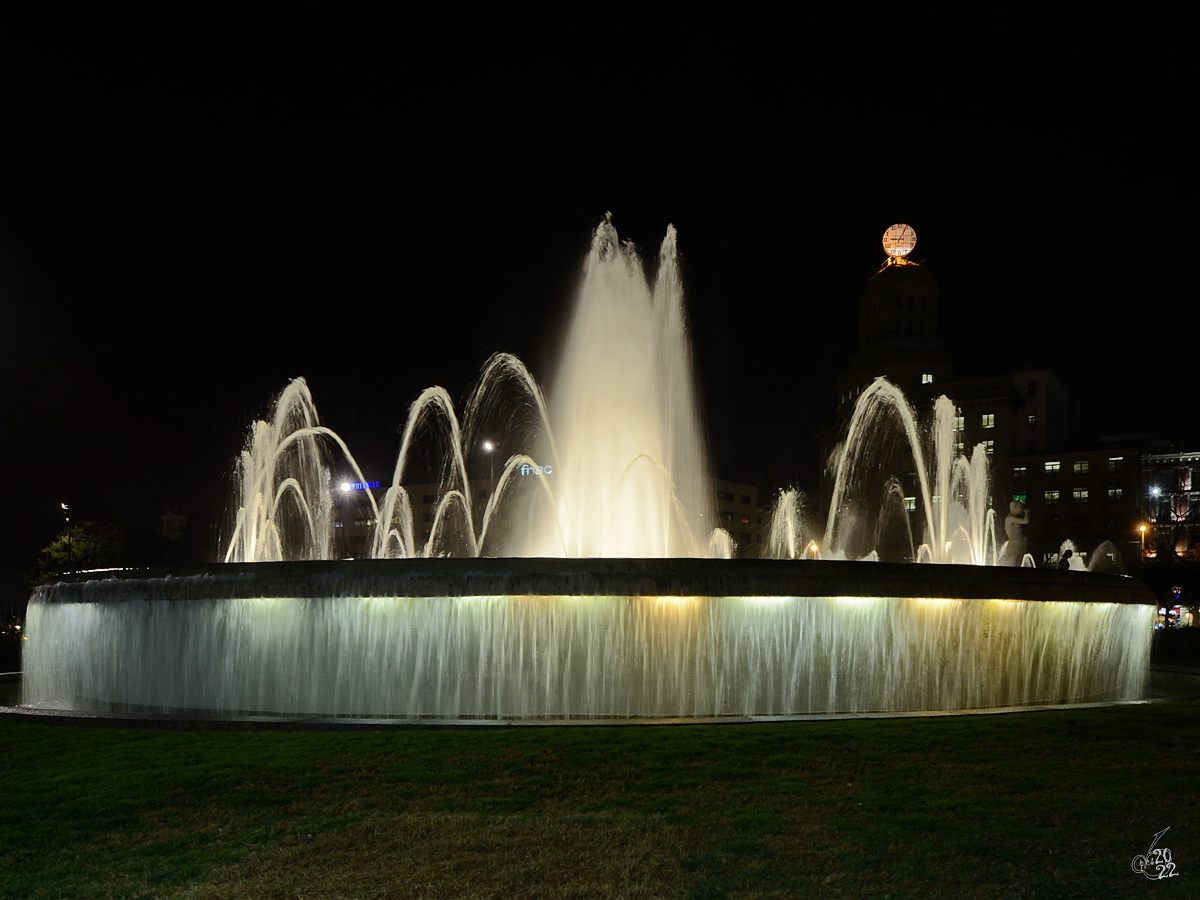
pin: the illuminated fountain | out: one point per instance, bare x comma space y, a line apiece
621, 437
603, 605
953, 488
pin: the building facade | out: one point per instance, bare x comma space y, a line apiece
1171, 493
1027, 422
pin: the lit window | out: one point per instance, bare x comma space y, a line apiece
1116, 463
745, 520
910, 504
1051, 498
1114, 493
960, 422
989, 420
1081, 467
1033, 421
926, 378
1080, 495
1019, 472
1052, 468
988, 447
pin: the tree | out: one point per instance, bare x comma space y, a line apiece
85, 545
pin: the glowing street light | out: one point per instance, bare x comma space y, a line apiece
1142, 531
488, 447
67, 513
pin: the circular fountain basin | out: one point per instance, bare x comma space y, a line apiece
465, 639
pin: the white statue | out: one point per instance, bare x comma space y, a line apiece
1014, 529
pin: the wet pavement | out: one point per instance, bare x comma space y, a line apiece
1167, 684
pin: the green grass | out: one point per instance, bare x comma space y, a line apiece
1043, 804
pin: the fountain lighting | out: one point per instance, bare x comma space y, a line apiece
591, 583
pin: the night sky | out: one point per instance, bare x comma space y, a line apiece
163, 276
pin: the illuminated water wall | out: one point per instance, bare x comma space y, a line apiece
557, 639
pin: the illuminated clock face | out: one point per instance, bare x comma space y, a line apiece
899, 240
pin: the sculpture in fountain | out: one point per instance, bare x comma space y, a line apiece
1014, 530
282, 629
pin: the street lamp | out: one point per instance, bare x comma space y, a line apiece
488, 447
1142, 531
67, 513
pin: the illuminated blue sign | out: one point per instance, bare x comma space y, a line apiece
527, 469
359, 485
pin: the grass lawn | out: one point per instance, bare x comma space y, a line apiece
1043, 804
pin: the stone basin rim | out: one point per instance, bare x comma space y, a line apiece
533, 576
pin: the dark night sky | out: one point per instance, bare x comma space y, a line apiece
161, 277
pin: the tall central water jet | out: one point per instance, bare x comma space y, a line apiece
630, 475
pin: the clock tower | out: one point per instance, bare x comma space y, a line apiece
898, 335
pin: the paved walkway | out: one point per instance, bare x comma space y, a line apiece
1168, 683
1174, 682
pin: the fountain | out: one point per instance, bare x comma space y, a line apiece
959, 526
592, 583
